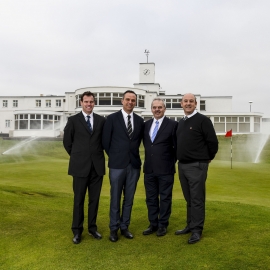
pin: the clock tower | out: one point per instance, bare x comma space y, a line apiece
147, 73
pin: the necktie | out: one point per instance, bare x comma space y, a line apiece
89, 123
129, 127
185, 118
155, 131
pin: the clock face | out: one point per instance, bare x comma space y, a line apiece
146, 72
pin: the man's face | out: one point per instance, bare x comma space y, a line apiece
129, 102
158, 109
88, 104
188, 103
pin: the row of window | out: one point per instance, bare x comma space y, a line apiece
174, 103
37, 121
107, 99
48, 103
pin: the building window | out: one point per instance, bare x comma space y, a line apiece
104, 98
202, 105
58, 103
5, 103
78, 101
15, 103
173, 103
35, 121
117, 99
48, 103
38, 103
7, 124
176, 103
140, 101
47, 121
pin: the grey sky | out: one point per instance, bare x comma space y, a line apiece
205, 47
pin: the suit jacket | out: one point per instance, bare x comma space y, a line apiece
119, 147
160, 155
83, 147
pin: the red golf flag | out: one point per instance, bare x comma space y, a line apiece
228, 133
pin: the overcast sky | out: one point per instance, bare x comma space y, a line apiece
209, 47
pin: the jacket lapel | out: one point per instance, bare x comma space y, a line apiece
122, 122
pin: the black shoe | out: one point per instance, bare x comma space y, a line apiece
184, 231
95, 234
77, 239
194, 238
161, 231
113, 236
151, 229
127, 234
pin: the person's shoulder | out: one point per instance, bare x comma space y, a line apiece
113, 115
136, 116
97, 116
171, 121
74, 116
200, 116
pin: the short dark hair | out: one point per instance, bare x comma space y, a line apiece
130, 91
88, 94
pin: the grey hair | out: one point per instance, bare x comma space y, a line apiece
159, 99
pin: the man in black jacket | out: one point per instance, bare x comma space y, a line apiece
82, 141
122, 135
159, 167
197, 145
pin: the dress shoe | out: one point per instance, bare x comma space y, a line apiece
127, 234
77, 239
194, 238
151, 229
184, 231
161, 231
95, 234
113, 236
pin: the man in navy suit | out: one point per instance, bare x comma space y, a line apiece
82, 141
121, 139
159, 167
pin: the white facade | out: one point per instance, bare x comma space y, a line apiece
23, 116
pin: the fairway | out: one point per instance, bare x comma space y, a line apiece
36, 210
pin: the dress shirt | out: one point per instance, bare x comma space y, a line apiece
154, 124
125, 116
91, 118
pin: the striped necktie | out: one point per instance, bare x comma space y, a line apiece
155, 131
129, 127
89, 123
185, 118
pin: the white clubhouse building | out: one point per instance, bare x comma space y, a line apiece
46, 116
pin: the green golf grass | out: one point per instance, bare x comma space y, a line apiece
36, 210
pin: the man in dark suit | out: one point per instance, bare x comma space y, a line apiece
159, 167
82, 141
121, 139
197, 145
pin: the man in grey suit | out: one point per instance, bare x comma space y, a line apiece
82, 141
121, 139
159, 167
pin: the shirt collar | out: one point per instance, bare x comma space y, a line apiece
85, 115
190, 115
126, 114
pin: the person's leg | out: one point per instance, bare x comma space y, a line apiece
132, 177
185, 189
117, 179
165, 193
79, 190
152, 200
94, 188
